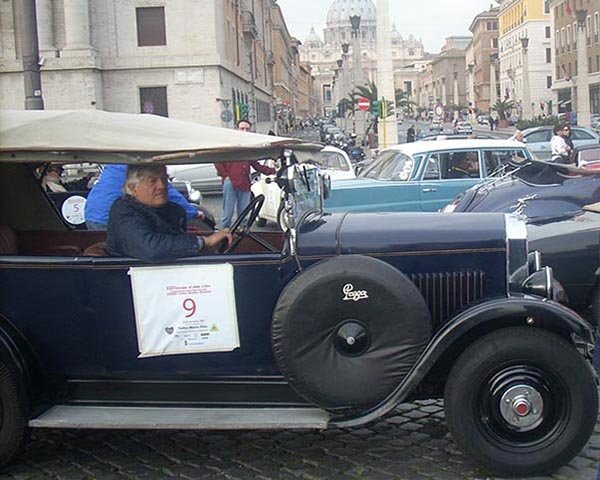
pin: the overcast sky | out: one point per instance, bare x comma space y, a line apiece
430, 20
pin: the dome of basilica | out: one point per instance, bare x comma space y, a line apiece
340, 12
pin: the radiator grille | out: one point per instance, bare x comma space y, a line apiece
447, 293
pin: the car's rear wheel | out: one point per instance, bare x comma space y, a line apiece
13, 422
521, 401
346, 331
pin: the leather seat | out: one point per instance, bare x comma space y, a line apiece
96, 250
9, 243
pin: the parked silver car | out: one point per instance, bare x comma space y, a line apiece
538, 139
202, 176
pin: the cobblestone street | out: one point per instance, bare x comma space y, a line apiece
411, 444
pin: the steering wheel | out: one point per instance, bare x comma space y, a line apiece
241, 226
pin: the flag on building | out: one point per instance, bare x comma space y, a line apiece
569, 9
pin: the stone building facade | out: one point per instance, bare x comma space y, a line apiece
443, 79
529, 19
334, 82
479, 61
565, 48
197, 60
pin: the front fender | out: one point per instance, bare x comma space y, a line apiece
489, 316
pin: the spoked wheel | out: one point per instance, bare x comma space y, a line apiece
521, 401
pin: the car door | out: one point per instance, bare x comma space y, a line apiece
438, 188
539, 143
581, 137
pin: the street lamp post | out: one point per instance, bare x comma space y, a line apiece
357, 80
455, 97
526, 94
583, 77
26, 17
493, 80
388, 133
345, 76
471, 101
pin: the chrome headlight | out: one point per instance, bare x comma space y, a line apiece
516, 251
540, 283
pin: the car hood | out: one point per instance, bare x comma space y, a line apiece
537, 203
372, 233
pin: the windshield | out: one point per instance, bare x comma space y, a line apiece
333, 161
390, 166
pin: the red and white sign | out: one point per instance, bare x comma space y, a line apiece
439, 110
364, 103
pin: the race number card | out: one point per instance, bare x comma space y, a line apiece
184, 309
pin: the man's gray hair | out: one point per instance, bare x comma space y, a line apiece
137, 173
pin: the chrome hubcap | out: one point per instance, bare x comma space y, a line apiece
522, 407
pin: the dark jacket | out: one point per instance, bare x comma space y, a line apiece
239, 173
148, 233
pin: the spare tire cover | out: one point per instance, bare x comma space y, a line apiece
347, 330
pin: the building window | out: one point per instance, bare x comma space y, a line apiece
151, 29
263, 111
568, 34
495, 42
547, 32
547, 7
327, 95
549, 81
154, 100
548, 55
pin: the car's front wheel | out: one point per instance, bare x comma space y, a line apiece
521, 401
13, 422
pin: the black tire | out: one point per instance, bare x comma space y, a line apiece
493, 408
13, 421
595, 317
343, 350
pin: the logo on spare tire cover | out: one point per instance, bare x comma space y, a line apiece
353, 295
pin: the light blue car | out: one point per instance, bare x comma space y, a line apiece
423, 176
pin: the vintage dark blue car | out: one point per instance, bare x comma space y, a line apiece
561, 207
332, 323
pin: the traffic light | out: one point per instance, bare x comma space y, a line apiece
376, 108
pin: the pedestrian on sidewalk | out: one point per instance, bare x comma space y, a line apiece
410, 134
236, 182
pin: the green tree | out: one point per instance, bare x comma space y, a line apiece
502, 107
404, 103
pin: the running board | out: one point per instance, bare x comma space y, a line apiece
151, 418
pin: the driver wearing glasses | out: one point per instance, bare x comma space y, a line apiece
144, 224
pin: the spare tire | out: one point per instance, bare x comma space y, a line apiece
347, 330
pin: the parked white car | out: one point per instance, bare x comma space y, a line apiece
333, 162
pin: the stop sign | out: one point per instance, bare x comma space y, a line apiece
364, 103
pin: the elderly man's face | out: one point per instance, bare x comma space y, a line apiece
152, 189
